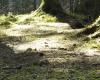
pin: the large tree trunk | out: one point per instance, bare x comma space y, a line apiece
51, 6
54, 7
65, 6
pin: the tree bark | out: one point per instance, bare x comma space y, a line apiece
51, 6
54, 7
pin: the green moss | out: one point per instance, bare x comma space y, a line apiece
5, 24
46, 17
39, 17
38, 73
11, 18
7, 21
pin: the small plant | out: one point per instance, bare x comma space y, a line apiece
6, 21
11, 17
5, 24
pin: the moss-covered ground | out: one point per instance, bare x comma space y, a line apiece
35, 47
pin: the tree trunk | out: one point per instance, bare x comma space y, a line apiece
51, 6
54, 7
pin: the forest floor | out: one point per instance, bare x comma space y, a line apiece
47, 51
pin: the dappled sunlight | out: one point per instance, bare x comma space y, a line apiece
92, 52
39, 45
11, 33
21, 27
16, 30
41, 36
22, 18
53, 24
57, 60
44, 36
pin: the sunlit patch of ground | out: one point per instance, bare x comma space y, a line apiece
90, 48
53, 24
22, 17
47, 36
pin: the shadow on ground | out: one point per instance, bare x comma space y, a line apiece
10, 62
36, 65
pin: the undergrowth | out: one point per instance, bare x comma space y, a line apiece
7, 20
92, 36
39, 17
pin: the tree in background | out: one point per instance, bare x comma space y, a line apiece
50, 6
84, 7
88, 8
